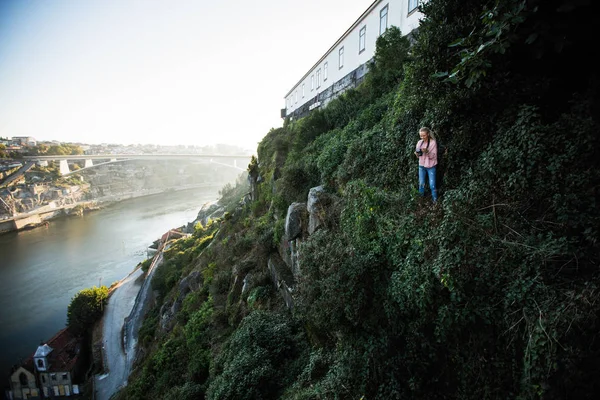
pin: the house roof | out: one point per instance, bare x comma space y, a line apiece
66, 351
43, 351
171, 234
63, 354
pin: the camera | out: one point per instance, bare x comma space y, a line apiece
420, 153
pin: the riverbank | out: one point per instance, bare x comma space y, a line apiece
40, 216
71, 254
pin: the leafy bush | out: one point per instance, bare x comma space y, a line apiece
254, 361
491, 293
86, 308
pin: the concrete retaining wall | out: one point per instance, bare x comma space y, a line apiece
23, 222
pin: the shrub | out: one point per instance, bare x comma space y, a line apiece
254, 360
86, 308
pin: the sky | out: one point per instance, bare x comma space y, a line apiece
166, 72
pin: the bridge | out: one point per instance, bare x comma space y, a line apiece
230, 161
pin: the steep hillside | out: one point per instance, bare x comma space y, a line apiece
335, 279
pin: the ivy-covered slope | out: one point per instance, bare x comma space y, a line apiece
492, 293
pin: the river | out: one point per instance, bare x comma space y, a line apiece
42, 269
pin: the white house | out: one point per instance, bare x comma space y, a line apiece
344, 65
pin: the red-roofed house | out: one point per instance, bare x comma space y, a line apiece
50, 371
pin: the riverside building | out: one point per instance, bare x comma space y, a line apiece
345, 64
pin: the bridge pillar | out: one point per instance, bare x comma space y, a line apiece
88, 163
64, 167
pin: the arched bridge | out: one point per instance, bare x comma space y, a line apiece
239, 161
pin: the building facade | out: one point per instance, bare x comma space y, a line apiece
49, 372
345, 64
24, 141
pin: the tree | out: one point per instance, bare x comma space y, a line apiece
387, 68
86, 308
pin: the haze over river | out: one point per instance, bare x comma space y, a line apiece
42, 269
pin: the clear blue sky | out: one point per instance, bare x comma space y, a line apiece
158, 71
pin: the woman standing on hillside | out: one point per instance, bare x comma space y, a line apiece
426, 152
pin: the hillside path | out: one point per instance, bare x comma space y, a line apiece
117, 359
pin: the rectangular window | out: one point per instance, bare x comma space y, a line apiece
383, 20
65, 377
325, 71
303, 90
361, 39
412, 4
312, 82
341, 58
319, 78
53, 377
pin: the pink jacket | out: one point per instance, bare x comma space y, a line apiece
430, 159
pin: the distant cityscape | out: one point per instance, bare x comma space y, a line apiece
24, 145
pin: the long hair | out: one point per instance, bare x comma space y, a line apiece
428, 131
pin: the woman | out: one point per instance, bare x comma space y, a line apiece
426, 152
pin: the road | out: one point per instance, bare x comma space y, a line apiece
117, 358
122, 319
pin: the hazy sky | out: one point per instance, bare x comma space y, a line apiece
158, 71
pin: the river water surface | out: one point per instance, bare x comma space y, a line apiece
42, 269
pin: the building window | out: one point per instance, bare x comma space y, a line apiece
53, 377
361, 39
65, 377
412, 4
40, 363
23, 379
43, 378
383, 20
341, 58
319, 78
312, 82
303, 90
325, 71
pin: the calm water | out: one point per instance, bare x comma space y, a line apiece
42, 269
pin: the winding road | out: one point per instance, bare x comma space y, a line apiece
122, 319
117, 356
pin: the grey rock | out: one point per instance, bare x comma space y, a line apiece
316, 206
294, 220
282, 278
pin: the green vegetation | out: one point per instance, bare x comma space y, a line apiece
51, 173
63, 149
86, 308
493, 293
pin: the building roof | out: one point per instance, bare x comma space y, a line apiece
63, 354
43, 351
66, 351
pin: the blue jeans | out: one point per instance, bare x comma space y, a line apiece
431, 173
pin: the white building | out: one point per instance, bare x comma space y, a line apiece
24, 140
344, 65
